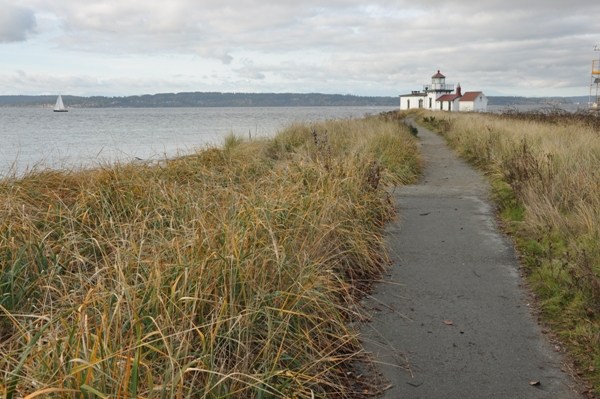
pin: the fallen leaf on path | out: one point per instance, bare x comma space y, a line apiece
532, 383
448, 323
424, 214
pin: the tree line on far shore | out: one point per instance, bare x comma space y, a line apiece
216, 99
199, 99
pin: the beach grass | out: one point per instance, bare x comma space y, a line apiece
229, 273
544, 167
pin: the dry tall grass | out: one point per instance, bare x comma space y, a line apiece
545, 168
228, 273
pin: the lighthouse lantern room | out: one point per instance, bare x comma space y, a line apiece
438, 84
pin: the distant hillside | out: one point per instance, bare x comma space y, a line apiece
512, 100
198, 99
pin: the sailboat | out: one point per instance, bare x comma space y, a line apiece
60, 107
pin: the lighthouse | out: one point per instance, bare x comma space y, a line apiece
438, 85
436, 89
438, 95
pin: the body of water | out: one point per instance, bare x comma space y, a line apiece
574, 107
38, 137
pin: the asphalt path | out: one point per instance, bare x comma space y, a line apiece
453, 319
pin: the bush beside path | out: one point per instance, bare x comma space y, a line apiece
232, 272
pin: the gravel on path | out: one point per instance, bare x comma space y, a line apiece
452, 319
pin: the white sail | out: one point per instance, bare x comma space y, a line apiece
59, 107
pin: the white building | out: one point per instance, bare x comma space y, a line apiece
473, 101
438, 96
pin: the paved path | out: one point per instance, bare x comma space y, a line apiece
450, 264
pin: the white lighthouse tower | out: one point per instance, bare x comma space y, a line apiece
436, 89
438, 85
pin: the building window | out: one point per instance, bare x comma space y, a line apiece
408, 104
441, 105
421, 103
430, 102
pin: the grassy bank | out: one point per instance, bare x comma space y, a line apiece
545, 174
227, 273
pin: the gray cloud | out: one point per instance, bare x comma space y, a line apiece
249, 73
15, 22
22, 82
391, 44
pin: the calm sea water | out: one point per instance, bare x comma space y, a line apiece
525, 107
38, 137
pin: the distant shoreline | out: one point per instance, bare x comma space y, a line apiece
215, 100
205, 106
198, 99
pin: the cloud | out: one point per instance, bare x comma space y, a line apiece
393, 45
21, 82
249, 71
15, 23
218, 29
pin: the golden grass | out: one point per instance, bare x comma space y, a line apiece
545, 170
227, 273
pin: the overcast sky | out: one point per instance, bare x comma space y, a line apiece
382, 47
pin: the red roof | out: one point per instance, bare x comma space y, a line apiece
448, 97
470, 96
438, 75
